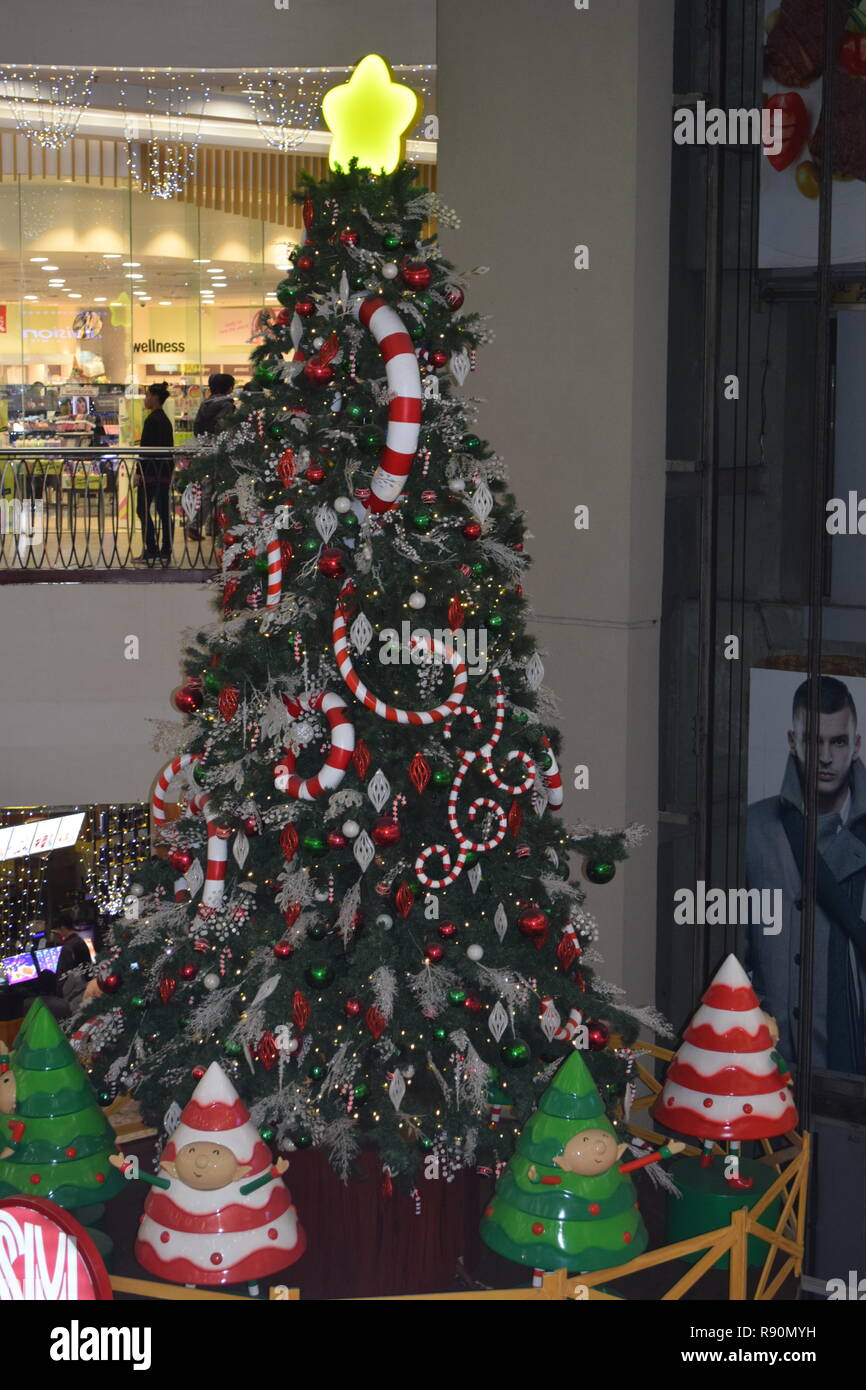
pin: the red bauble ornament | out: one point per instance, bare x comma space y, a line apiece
251, 825
180, 859
227, 703
349, 237
110, 984
598, 1036
456, 614
419, 773
300, 1011
291, 914
223, 832
386, 832
331, 562
335, 840
289, 841
433, 951
315, 474
304, 263
439, 358
284, 949
286, 468
472, 530
305, 308
361, 759
267, 1050
308, 214
534, 925
473, 1003
318, 374
416, 274
287, 552
404, 900
454, 297
198, 1073
515, 819
353, 1008
188, 972
566, 952
167, 987
376, 1022
187, 698
447, 930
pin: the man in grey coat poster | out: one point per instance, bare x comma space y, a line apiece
774, 859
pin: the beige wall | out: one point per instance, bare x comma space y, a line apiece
555, 131
76, 714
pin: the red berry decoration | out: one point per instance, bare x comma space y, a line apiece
283, 950
188, 972
447, 930
534, 925
416, 274
386, 832
598, 1036
472, 530
71, 1153
454, 297
331, 562
433, 951
353, 1008
315, 473
318, 374
36, 1179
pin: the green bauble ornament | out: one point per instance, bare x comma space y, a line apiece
479, 567
232, 1048
417, 331
212, 683
443, 777
317, 1071
423, 301
317, 932
260, 564
310, 545
425, 1143
286, 293
471, 856
494, 620
546, 1212
358, 282
471, 443
391, 242
545, 762
267, 1134
199, 774
520, 717
137, 1001
314, 843
369, 440
515, 1053
104, 1098
264, 374
422, 521
276, 431
440, 1034
319, 976
349, 520
599, 871
457, 997
354, 411
303, 1141
362, 1090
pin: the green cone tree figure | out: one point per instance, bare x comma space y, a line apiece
564, 1201
55, 1142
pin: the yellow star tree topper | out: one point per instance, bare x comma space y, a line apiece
369, 116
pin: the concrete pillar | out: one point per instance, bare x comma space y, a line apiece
555, 132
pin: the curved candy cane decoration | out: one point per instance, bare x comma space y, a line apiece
443, 651
453, 868
552, 779
406, 405
333, 770
217, 848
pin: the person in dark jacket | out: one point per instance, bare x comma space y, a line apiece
213, 415
154, 478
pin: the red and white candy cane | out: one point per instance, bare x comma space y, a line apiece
454, 867
567, 1030
275, 573
552, 779
217, 848
333, 770
405, 407
444, 651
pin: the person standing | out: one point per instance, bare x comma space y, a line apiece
154, 478
212, 416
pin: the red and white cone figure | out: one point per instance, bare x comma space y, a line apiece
726, 1081
202, 1230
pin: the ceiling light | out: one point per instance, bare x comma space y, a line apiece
50, 267
131, 264
133, 275
100, 299
115, 304
31, 296
36, 259
215, 271
204, 261
73, 296
111, 255
165, 302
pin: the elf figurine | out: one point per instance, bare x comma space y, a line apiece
218, 1212
7, 1101
594, 1151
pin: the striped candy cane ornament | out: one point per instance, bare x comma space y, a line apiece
333, 770
275, 573
217, 847
405, 407
445, 652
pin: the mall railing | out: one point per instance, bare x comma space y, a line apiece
67, 509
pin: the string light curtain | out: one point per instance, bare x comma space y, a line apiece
172, 117
46, 103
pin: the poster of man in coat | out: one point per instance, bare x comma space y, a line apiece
775, 839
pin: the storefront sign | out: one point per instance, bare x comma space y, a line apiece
46, 1256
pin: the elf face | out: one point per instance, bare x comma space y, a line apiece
206, 1166
7, 1092
589, 1153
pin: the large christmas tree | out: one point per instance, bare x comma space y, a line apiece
387, 947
